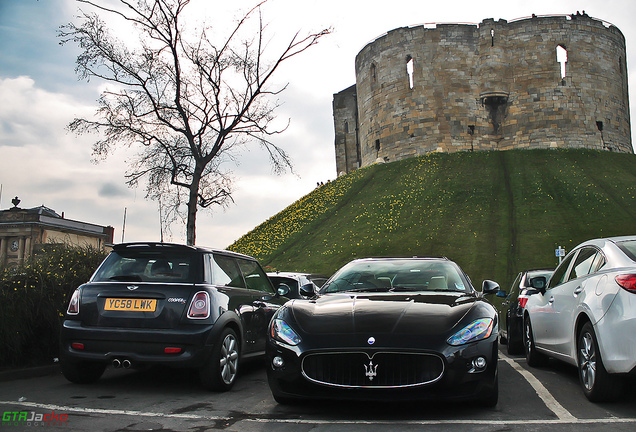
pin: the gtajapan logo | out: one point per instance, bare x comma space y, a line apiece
24, 418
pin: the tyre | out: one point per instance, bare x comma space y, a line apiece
490, 398
598, 385
533, 357
219, 374
81, 372
515, 344
284, 400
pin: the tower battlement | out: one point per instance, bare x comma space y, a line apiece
539, 82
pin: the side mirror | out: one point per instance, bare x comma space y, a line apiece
308, 290
539, 283
282, 290
502, 294
489, 287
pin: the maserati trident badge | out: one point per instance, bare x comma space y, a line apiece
370, 371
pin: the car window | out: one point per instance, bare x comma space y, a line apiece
225, 272
583, 263
598, 263
560, 274
318, 280
629, 248
396, 275
514, 289
148, 266
255, 277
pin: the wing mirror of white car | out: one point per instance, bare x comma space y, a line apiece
282, 290
308, 290
537, 285
489, 287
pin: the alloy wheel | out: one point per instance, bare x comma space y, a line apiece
587, 361
528, 338
229, 359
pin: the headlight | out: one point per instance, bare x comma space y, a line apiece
281, 331
477, 330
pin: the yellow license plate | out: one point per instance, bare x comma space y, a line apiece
120, 304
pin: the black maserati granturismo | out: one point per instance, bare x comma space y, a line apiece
387, 329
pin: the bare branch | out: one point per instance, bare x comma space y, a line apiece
185, 105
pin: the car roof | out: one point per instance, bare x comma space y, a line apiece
294, 274
176, 246
600, 242
414, 258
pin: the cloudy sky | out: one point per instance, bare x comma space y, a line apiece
40, 94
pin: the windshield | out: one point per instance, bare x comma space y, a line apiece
385, 275
148, 266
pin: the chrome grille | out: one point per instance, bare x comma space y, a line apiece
380, 370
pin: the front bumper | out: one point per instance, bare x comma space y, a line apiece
459, 381
139, 346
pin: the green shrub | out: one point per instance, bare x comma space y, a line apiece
33, 299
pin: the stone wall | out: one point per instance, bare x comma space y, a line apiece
493, 86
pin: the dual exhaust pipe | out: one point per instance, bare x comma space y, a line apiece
121, 363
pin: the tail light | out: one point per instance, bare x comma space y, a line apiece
627, 282
73, 305
523, 299
200, 306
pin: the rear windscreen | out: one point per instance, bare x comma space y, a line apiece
150, 266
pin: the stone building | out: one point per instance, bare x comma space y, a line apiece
539, 82
24, 232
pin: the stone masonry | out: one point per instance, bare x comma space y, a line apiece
540, 82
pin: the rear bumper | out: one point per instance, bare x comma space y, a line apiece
139, 346
616, 334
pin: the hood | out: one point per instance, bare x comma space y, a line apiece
425, 314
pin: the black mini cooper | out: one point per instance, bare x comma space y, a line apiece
169, 304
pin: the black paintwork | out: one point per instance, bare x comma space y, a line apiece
141, 337
511, 331
415, 322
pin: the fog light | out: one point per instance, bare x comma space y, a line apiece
278, 362
479, 363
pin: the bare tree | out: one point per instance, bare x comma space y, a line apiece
184, 103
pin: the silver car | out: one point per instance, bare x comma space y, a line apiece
586, 315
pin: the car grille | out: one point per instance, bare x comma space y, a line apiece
381, 370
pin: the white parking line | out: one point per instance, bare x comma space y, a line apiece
67, 409
567, 420
543, 392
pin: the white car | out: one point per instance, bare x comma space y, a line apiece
586, 315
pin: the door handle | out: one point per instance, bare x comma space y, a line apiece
551, 300
578, 291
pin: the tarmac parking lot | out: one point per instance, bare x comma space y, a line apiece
156, 399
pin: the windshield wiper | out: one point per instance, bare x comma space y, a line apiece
369, 289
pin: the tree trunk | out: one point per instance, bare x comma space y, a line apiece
191, 225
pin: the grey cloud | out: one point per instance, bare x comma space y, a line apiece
109, 190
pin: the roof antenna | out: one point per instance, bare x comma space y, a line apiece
123, 228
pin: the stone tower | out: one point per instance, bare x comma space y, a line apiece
540, 82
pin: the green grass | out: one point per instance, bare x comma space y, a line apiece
494, 213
